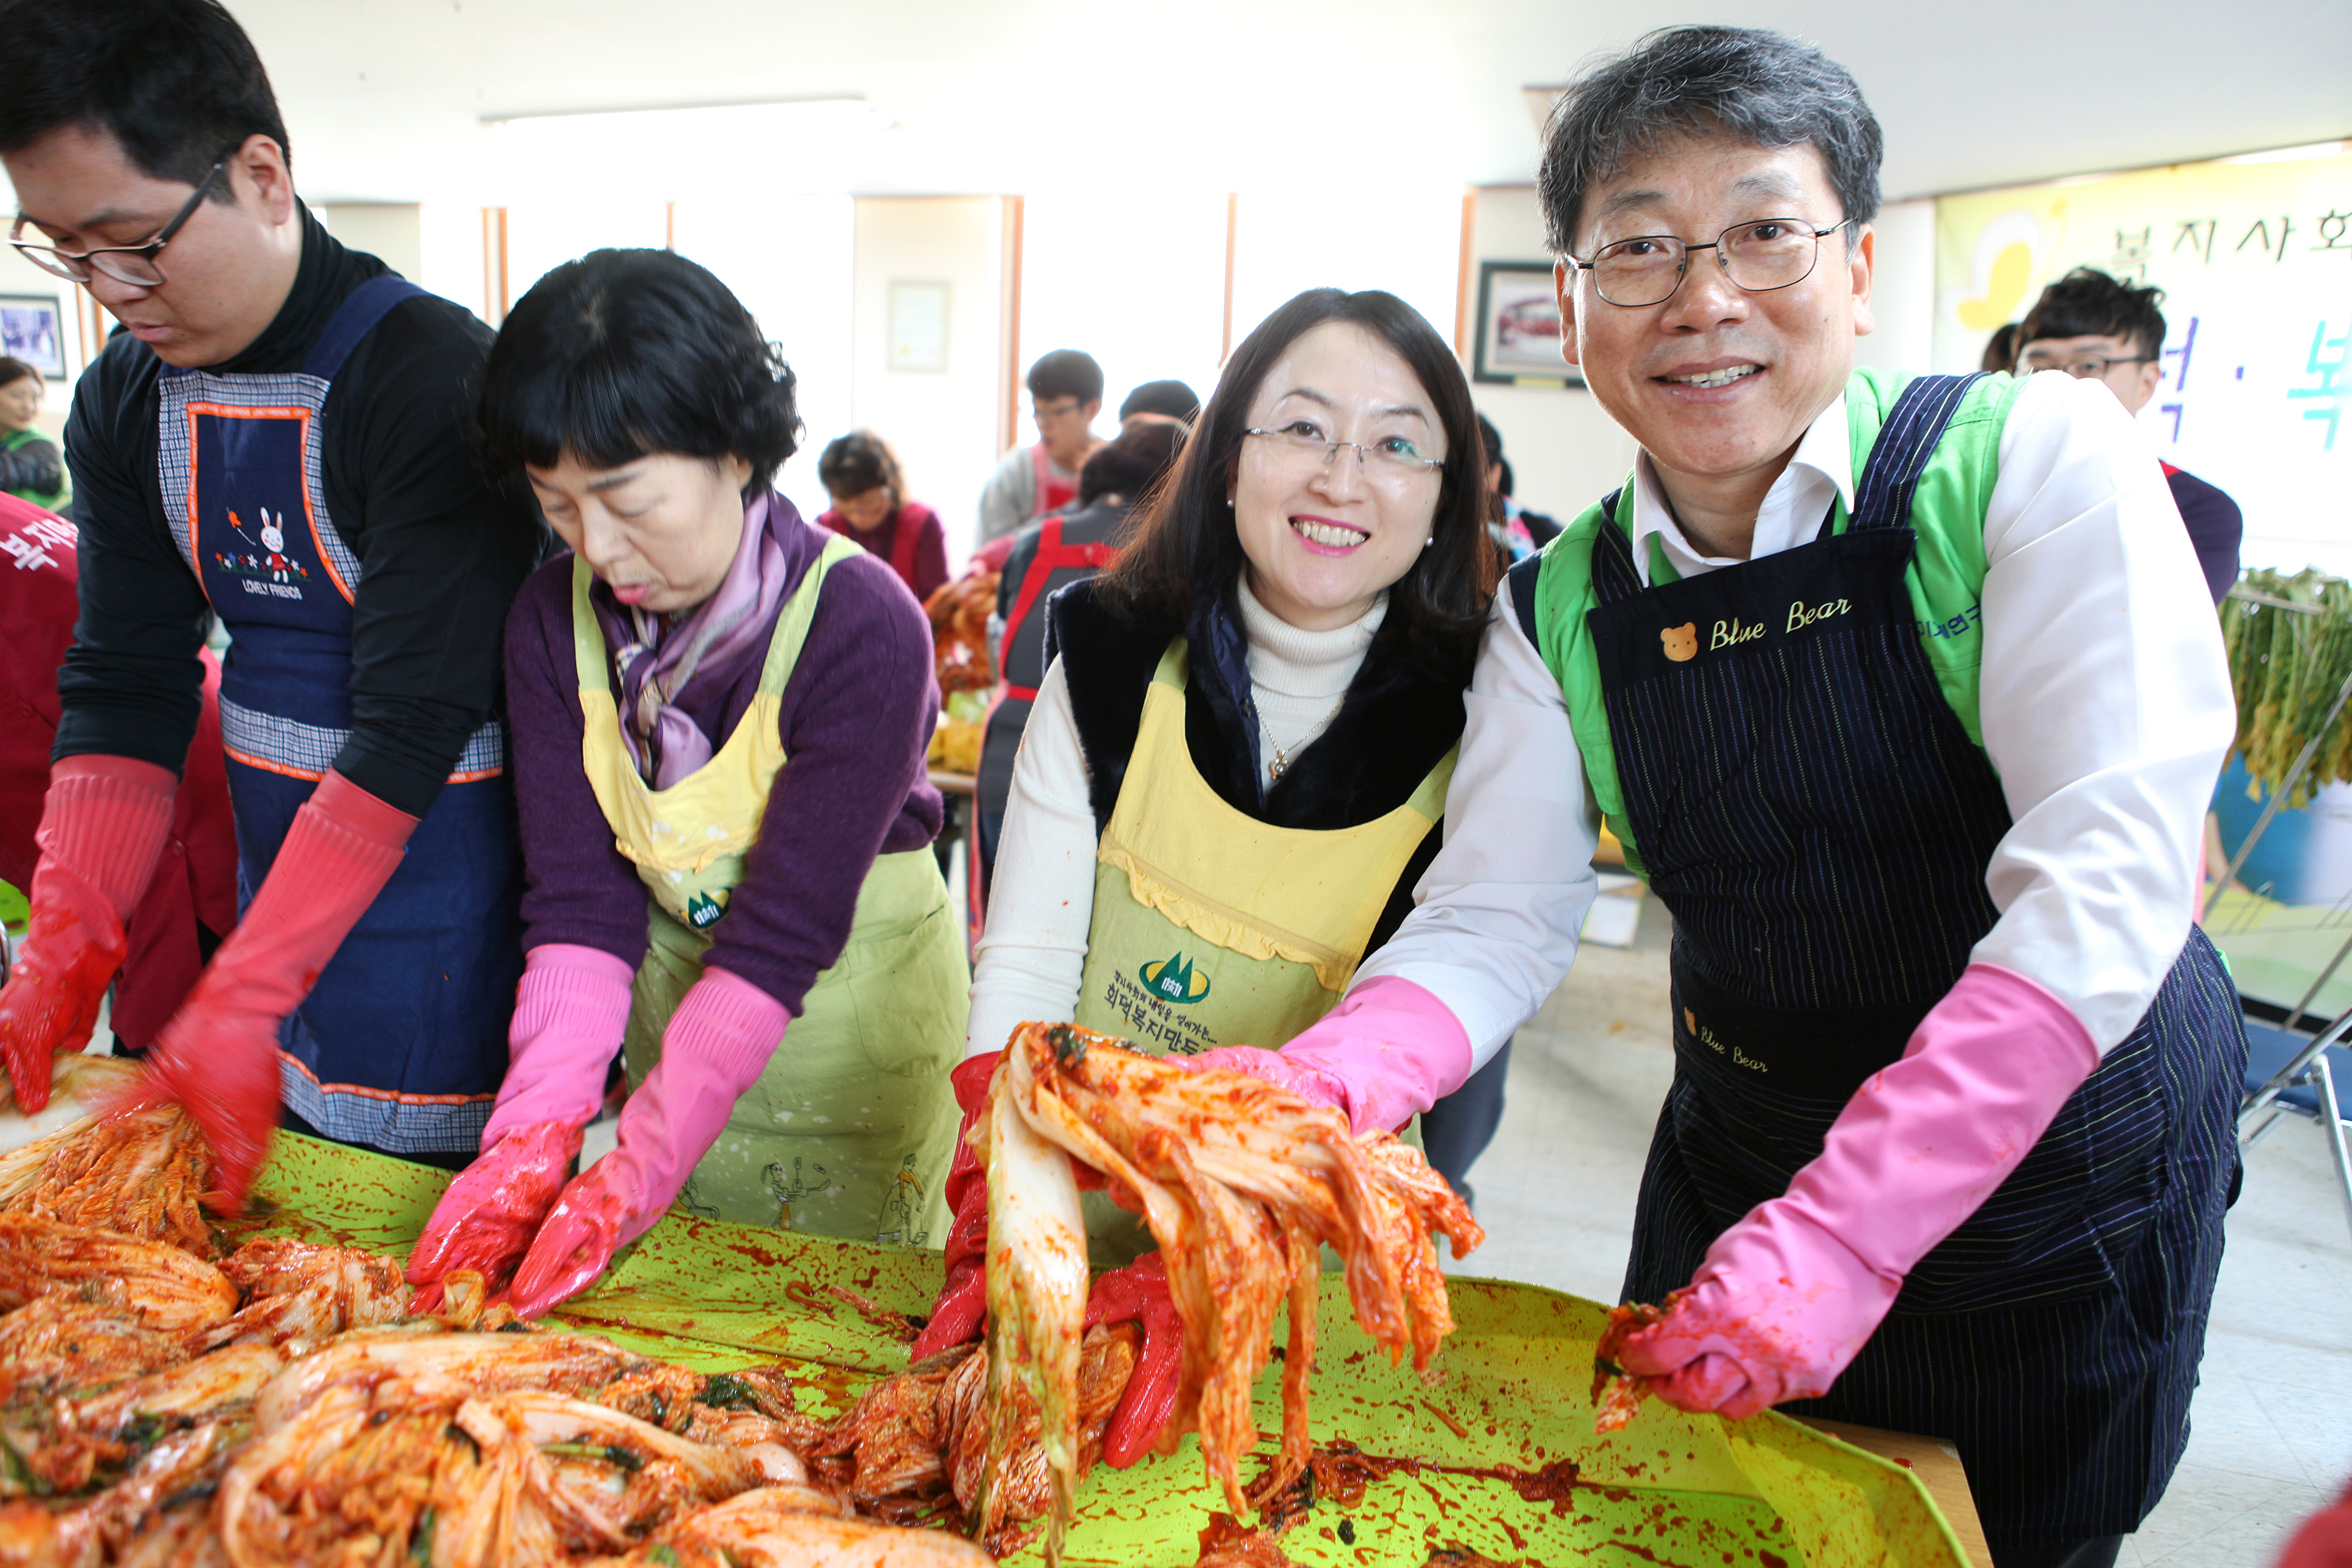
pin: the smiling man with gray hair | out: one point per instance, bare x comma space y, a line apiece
1906, 695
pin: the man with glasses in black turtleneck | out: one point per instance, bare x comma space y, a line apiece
281, 437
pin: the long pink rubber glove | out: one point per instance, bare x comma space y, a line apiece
717, 1043
218, 1054
1786, 1298
1387, 1051
571, 1008
104, 821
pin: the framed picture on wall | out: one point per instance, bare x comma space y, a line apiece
32, 329
918, 325
1518, 327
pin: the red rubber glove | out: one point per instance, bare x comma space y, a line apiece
571, 1008
1786, 1299
487, 1217
1138, 1293
715, 1046
218, 1056
102, 824
2325, 1539
964, 1299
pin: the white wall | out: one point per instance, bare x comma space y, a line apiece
945, 426
1903, 291
1565, 451
392, 232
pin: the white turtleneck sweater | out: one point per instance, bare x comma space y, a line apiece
1034, 952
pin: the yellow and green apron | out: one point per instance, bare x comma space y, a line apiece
1212, 928
849, 1130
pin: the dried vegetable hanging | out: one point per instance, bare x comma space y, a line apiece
2287, 666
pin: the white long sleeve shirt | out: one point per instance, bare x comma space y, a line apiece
1032, 951
2105, 705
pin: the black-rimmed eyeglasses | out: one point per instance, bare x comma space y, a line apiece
1760, 256
131, 264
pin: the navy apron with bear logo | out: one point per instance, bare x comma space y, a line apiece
1813, 814
401, 1043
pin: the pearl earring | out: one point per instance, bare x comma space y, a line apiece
1430, 540
1229, 501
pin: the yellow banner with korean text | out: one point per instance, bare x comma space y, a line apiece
2254, 256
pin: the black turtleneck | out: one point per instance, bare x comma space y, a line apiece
441, 549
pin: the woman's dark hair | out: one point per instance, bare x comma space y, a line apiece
2000, 351
626, 353
1187, 541
1133, 463
1765, 89
858, 462
13, 371
176, 82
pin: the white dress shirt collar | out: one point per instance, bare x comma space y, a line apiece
1822, 468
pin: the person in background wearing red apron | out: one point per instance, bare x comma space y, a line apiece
1906, 697
870, 506
1044, 560
190, 901
1065, 390
281, 438
2097, 328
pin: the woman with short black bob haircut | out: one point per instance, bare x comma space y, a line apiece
718, 713
1236, 767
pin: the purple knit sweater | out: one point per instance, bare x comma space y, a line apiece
857, 717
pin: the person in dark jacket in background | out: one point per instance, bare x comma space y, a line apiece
282, 438
2097, 328
1044, 560
869, 505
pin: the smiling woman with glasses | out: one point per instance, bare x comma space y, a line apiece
1236, 765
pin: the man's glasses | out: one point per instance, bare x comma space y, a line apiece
1393, 460
1770, 253
131, 264
1059, 409
2089, 367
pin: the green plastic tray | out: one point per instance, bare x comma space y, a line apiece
1510, 1392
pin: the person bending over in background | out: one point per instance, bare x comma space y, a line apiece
281, 437
30, 468
2098, 328
720, 718
861, 474
1065, 390
1046, 559
1161, 400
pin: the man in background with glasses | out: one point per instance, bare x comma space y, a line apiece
279, 437
2097, 328
1066, 389
1904, 695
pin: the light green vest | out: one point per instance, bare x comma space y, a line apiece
1946, 577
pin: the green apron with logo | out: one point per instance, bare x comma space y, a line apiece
849, 1130
1212, 928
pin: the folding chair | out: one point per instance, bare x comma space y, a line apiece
2289, 1072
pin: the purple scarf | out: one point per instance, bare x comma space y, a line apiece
664, 662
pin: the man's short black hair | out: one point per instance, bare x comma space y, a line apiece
2000, 351
629, 354
2088, 303
176, 82
1762, 87
1066, 373
1172, 398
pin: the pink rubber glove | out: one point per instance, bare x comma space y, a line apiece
218, 1056
717, 1043
490, 1213
570, 1008
963, 1299
1387, 1051
1138, 1293
102, 824
1786, 1299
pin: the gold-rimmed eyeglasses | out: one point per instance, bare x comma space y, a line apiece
1759, 257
